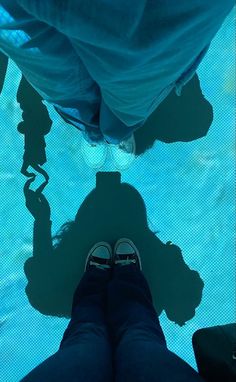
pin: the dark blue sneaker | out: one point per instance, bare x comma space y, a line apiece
125, 253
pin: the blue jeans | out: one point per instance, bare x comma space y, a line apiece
107, 74
61, 79
114, 335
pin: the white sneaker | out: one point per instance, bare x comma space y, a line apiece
94, 154
124, 153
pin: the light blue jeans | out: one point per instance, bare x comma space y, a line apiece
106, 67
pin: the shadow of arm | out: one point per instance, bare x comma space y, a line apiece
3, 69
42, 238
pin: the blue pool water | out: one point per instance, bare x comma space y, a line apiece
188, 191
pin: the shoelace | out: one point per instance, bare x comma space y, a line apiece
99, 265
125, 262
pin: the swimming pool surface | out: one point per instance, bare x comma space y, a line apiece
180, 191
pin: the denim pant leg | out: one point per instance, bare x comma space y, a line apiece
85, 353
91, 133
50, 64
113, 129
88, 327
140, 351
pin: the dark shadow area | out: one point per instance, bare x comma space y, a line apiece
177, 119
3, 69
111, 211
35, 125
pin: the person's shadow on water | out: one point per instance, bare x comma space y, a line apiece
111, 211
35, 123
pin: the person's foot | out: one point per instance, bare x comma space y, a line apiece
126, 253
94, 154
99, 256
124, 153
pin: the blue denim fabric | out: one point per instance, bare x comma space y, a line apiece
114, 335
128, 58
61, 79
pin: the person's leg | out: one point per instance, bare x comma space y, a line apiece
50, 64
140, 351
91, 133
113, 129
85, 353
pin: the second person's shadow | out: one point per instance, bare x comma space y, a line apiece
111, 211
